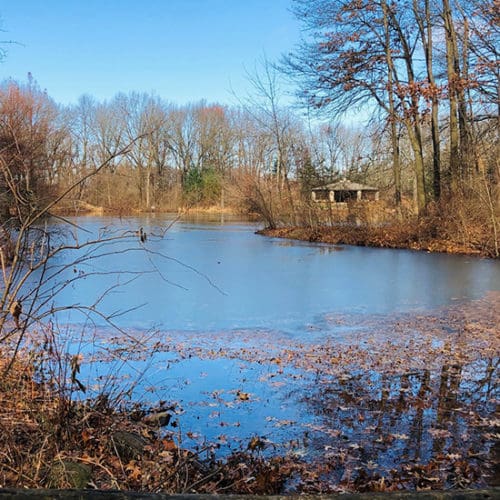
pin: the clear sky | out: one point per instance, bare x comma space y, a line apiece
183, 50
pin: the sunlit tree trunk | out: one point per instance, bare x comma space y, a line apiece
453, 77
396, 163
427, 44
415, 138
148, 187
411, 114
463, 118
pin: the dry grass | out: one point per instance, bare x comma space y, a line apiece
460, 231
49, 440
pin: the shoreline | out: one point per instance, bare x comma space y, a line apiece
417, 236
401, 237
97, 210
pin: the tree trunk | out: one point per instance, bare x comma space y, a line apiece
418, 158
453, 77
396, 164
148, 187
463, 121
411, 113
427, 44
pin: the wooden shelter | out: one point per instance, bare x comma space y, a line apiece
344, 191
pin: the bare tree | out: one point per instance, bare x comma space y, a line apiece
144, 115
29, 247
264, 106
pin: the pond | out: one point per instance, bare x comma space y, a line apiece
374, 355
222, 276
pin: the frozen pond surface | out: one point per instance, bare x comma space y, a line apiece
260, 282
381, 356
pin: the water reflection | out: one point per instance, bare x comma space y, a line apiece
348, 408
322, 248
384, 421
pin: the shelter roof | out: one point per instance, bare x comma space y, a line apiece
345, 185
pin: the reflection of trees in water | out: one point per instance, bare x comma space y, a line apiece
386, 421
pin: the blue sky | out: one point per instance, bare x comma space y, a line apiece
183, 50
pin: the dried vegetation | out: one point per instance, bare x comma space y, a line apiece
410, 404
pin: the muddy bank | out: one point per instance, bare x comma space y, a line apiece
417, 236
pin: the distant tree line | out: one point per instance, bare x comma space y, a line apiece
186, 155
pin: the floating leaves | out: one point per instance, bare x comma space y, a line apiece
242, 396
399, 402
